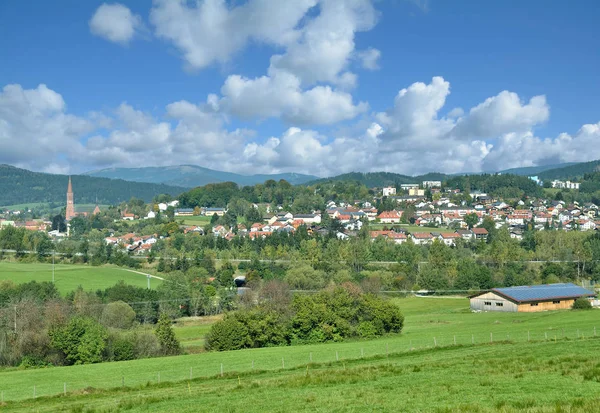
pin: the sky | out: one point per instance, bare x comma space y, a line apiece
320, 87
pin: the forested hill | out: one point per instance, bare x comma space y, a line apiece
381, 179
20, 186
574, 171
503, 186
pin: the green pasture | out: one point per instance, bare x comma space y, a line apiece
194, 220
532, 377
68, 277
505, 345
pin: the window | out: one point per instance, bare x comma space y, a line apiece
556, 302
499, 304
487, 303
534, 304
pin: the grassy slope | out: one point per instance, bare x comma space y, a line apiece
426, 318
543, 376
69, 277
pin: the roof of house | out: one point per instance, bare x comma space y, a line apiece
480, 231
449, 235
422, 235
544, 292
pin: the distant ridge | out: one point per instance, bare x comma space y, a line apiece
20, 186
379, 179
189, 176
535, 170
573, 171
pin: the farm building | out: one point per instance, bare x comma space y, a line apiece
529, 298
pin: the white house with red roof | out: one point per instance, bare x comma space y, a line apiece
390, 217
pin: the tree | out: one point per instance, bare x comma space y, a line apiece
82, 340
58, 223
471, 220
169, 345
118, 314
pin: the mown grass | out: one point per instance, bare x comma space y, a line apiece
429, 322
532, 377
194, 220
68, 277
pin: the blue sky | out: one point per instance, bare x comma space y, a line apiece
312, 86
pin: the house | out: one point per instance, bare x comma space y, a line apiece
421, 238
432, 184
390, 217
449, 238
465, 234
128, 216
150, 215
397, 237
416, 192
529, 298
184, 212
162, 206
308, 218
214, 211
406, 187
480, 233
388, 191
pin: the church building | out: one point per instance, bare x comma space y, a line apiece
70, 212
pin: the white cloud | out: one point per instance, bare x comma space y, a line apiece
211, 31
369, 58
501, 114
281, 96
37, 132
115, 23
34, 127
326, 43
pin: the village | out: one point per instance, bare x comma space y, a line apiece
420, 213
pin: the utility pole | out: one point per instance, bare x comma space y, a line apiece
53, 251
148, 277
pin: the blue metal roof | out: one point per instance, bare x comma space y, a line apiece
543, 292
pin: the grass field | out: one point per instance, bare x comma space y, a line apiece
195, 220
532, 377
503, 374
68, 277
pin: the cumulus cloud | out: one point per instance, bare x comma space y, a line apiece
282, 96
37, 132
325, 45
369, 58
501, 114
211, 31
35, 128
115, 22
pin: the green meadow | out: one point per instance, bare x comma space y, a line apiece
501, 361
68, 277
194, 220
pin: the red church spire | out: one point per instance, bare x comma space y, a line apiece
70, 212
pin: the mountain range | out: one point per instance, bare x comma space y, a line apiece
111, 186
189, 176
20, 186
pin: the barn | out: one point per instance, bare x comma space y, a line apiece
529, 298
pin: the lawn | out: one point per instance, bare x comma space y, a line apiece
526, 344
194, 220
68, 277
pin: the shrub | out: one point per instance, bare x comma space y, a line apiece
118, 315
82, 340
582, 303
169, 345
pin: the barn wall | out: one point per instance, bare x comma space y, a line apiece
546, 306
478, 303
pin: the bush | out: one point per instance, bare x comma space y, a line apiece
118, 315
582, 303
82, 340
327, 316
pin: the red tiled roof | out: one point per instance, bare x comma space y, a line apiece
480, 231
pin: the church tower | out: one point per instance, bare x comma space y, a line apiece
70, 213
